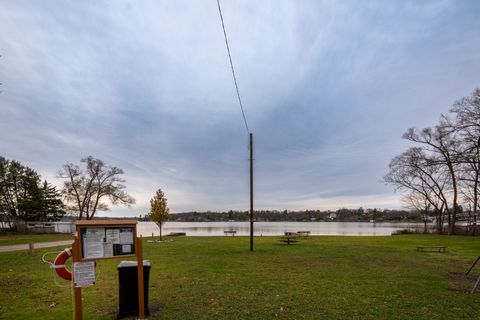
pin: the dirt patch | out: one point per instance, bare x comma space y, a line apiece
156, 307
460, 282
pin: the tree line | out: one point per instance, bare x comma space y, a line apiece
342, 214
439, 174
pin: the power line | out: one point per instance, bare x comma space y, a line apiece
246, 126
233, 70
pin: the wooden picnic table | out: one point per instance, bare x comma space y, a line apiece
303, 233
431, 248
291, 238
232, 232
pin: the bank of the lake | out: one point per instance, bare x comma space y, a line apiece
326, 277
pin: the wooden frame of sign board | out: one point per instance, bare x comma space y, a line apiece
80, 254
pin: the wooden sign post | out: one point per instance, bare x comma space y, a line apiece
106, 239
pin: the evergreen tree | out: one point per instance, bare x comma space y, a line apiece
53, 208
23, 197
20, 194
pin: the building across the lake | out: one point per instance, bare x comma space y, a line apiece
50, 227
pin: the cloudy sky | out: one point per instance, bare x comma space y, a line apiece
328, 87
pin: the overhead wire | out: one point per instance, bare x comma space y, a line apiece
233, 70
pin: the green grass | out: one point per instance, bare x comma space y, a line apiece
218, 278
7, 239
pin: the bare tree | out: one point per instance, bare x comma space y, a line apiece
467, 124
445, 166
469, 175
411, 172
467, 111
441, 145
85, 191
417, 202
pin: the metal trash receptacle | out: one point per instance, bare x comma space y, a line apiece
128, 288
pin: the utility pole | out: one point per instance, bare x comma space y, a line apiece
251, 191
246, 124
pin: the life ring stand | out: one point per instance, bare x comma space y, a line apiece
59, 264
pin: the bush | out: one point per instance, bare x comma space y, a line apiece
404, 231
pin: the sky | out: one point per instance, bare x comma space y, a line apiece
328, 89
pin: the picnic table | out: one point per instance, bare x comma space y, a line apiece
232, 232
431, 248
289, 237
303, 233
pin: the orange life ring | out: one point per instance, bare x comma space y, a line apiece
59, 264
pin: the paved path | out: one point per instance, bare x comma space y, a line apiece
37, 245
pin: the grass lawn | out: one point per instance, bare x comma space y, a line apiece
7, 239
218, 278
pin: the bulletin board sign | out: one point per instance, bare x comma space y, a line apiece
106, 239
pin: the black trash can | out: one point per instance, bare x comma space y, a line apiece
128, 288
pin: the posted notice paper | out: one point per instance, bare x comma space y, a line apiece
107, 249
126, 235
84, 274
113, 236
126, 248
93, 242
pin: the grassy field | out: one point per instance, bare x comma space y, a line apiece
218, 278
7, 239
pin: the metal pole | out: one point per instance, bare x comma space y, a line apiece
251, 192
473, 265
476, 285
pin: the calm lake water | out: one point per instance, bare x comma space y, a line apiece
202, 229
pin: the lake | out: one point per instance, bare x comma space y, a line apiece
201, 229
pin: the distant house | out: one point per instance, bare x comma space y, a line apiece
332, 216
50, 227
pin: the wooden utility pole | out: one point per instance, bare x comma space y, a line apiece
246, 125
251, 192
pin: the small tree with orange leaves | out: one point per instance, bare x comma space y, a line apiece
159, 211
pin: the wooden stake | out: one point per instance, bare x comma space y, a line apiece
31, 249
